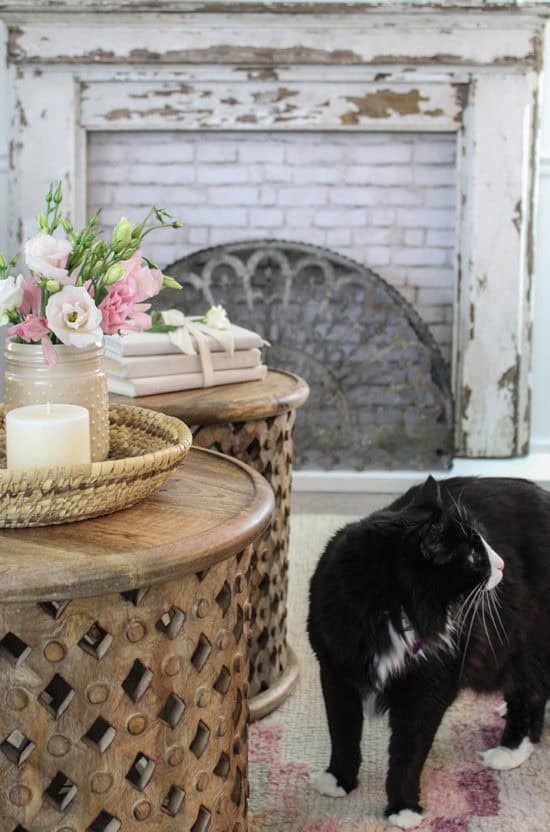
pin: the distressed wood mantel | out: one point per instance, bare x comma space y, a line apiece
466, 66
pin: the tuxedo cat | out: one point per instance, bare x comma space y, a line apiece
447, 588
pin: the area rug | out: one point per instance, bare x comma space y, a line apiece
459, 793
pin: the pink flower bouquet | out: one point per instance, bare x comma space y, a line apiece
80, 287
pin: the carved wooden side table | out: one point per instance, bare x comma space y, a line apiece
123, 661
254, 422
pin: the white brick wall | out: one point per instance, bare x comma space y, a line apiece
387, 200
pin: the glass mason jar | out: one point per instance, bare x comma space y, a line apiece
77, 378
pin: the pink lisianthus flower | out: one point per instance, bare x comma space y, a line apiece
120, 309
146, 282
32, 297
123, 308
139, 320
33, 329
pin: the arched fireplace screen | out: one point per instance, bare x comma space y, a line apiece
380, 389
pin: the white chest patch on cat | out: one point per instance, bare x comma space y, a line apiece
405, 647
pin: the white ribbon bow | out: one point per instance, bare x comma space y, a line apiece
189, 329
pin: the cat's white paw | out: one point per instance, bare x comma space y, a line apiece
325, 783
503, 759
502, 709
406, 819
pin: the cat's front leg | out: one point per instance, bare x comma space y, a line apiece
344, 709
414, 720
524, 720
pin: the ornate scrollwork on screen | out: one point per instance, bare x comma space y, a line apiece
380, 388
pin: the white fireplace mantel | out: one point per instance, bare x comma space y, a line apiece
355, 66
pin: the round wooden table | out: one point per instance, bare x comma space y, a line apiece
123, 660
254, 422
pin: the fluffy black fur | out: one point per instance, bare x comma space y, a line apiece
413, 565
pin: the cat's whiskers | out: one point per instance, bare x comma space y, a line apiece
465, 602
466, 607
475, 609
459, 513
483, 598
461, 610
494, 604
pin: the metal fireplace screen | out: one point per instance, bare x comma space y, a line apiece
380, 389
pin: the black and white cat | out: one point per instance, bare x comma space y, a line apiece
412, 604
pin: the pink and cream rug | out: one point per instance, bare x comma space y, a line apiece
459, 793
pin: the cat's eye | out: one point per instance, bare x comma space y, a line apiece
472, 557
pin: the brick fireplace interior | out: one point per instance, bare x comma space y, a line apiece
386, 200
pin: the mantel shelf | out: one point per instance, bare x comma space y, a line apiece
313, 7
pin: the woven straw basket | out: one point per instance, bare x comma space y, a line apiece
145, 447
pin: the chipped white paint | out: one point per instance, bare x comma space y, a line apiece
46, 117
495, 265
299, 104
181, 6
496, 55
325, 783
4, 119
349, 38
504, 759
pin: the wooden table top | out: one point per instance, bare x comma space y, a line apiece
280, 391
210, 509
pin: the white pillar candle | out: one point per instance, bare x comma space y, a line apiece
42, 435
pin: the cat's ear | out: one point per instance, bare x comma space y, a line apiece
428, 495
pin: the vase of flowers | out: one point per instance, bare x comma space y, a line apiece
79, 288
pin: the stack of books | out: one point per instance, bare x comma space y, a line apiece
149, 363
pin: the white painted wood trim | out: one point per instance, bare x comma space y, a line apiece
540, 425
24, 7
297, 103
535, 466
541, 330
283, 39
4, 134
495, 266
